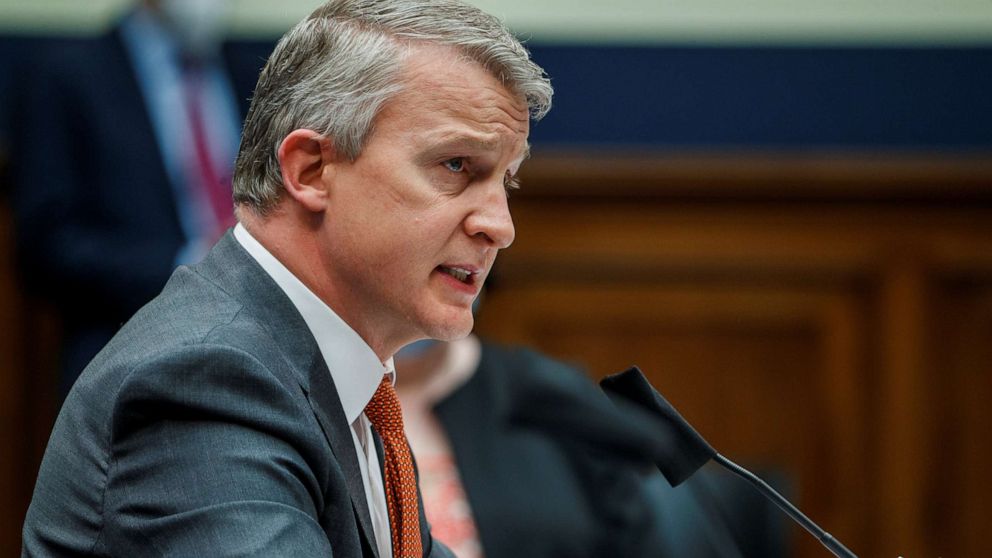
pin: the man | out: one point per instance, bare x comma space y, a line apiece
122, 163
231, 416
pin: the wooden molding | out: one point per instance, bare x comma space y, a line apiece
761, 175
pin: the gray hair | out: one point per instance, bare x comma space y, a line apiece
334, 71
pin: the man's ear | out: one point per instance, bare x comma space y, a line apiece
305, 158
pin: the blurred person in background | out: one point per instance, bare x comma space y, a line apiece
122, 154
466, 401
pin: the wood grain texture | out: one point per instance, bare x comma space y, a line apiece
823, 315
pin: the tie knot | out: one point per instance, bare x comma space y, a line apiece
384, 411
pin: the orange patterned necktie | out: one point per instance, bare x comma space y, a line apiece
383, 411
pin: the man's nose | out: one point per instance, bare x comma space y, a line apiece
491, 219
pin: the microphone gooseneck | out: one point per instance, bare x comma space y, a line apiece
632, 386
832, 544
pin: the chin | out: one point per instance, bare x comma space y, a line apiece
452, 329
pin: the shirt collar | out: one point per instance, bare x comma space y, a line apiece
355, 368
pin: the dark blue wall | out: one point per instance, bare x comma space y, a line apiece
768, 97
764, 97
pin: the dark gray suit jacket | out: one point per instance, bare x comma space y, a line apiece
209, 426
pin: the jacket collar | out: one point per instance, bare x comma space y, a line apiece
233, 269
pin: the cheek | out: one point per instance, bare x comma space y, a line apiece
403, 240
438, 226
417, 242
400, 230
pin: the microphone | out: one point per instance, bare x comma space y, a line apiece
631, 386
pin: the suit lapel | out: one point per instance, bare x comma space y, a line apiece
327, 407
232, 268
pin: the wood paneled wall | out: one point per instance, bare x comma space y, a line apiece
14, 466
826, 316
29, 336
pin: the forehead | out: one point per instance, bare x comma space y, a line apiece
444, 93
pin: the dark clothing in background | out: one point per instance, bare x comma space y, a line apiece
536, 491
97, 225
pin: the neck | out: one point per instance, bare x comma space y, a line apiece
294, 241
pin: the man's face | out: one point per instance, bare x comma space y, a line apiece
414, 224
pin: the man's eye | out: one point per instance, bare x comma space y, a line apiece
455, 165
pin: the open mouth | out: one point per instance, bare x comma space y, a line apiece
463, 275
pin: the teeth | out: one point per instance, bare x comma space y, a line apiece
459, 274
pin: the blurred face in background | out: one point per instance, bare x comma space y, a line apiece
198, 25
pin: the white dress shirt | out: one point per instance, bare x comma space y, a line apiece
355, 369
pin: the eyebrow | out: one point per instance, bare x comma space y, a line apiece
471, 143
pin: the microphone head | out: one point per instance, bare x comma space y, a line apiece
691, 451
565, 406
